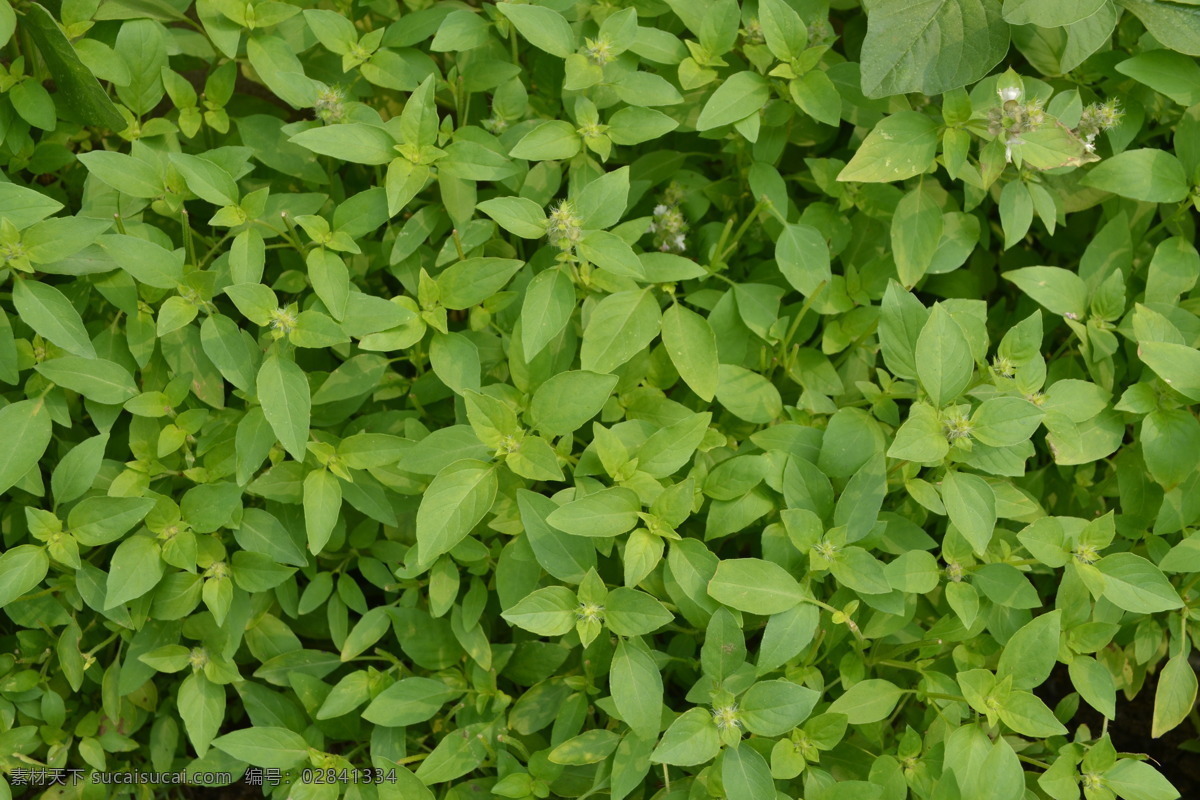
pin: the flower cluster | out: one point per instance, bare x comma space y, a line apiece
599, 51
564, 228
330, 106
1098, 117
669, 226
1013, 117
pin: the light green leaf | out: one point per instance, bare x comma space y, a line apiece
900, 146
692, 347
943, 358
28, 425
1149, 175
1134, 584
48, 311
1175, 696
803, 258
621, 325
971, 505
608, 512
754, 586
867, 701
94, 378
544, 27
738, 96
284, 395
22, 568
930, 46
637, 688
265, 746
455, 502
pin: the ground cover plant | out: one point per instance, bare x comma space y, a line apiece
667, 399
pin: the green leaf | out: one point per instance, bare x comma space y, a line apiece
589, 747
549, 303
1058, 290
549, 141
565, 402
867, 701
351, 141
621, 325
1149, 175
692, 347
408, 702
738, 96
754, 586
1137, 780
472, 281
516, 215
745, 775
1174, 25
608, 512
971, 505
1005, 421
1049, 15
1177, 364
286, 403
1172, 74
28, 424
264, 746
921, 438
803, 258
628, 612
94, 378
1094, 683
691, 740
772, 708
634, 125
146, 261
206, 180
549, 611
22, 568
637, 688
1175, 696
1134, 584
602, 202
99, 520
669, 449
900, 146
202, 708
48, 311
1029, 716
322, 507
126, 174
748, 395
932, 46
544, 27
566, 557
24, 207
916, 231
136, 569
80, 91
901, 319
943, 357
1031, 653
456, 501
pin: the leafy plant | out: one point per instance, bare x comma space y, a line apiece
638, 400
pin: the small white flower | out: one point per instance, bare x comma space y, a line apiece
659, 210
1010, 93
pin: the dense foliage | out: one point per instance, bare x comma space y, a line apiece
654, 398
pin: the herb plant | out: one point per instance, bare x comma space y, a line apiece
668, 399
